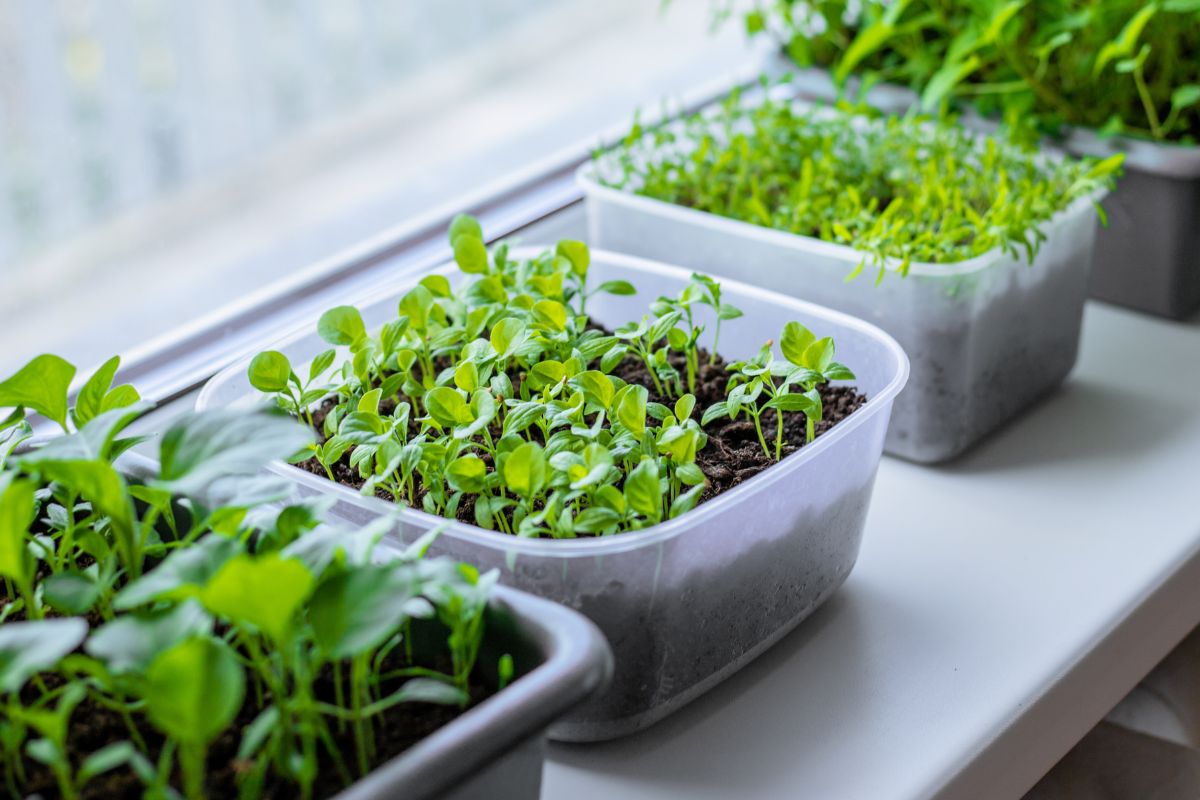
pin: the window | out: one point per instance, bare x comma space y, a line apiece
160, 159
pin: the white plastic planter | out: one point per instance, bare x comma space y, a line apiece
986, 337
686, 603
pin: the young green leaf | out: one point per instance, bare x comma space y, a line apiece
357, 611
465, 225
17, 512
41, 385
131, 642
576, 253
643, 493
525, 469
342, 325
269, 371
194, 689
264, 591
27, 648
470, 254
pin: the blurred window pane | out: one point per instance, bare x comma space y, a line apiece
162, 158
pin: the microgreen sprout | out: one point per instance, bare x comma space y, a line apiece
900, 190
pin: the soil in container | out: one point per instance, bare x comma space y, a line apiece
732, 456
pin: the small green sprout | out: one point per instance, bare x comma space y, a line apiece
900, 190
790, 385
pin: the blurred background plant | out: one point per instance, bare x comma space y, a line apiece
1119, 66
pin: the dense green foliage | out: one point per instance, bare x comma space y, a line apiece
899, 188
1119, 66
193, 604
501, 392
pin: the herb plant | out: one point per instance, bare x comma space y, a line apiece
899, 189
1119, 66
500, 401
195, 618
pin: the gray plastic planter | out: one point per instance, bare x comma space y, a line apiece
686, 603
497, 748
986, 337
1148, 258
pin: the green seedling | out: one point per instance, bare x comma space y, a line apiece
788, 385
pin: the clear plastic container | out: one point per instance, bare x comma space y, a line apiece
986, 337
686, 603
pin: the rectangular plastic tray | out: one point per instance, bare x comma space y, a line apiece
686, 603
986, 337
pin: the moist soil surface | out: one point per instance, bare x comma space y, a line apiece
732, 456
94, 726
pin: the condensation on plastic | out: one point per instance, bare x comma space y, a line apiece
986, 337
686, 603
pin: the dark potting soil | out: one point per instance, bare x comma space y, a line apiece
94, 726
732, 456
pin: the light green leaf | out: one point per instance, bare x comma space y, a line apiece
27, 648
1123, 45
355, 612
342, 325
269, 371
465, 225
507, 335
642, 490
631, 411
203, 448
525, 469
17, 511
470, 254
447, 407
551, 314
466, 474
42, 386
194, 690
131, 642
264, 591
795, 341
90, 401
466, 376
576, 253
596, 387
